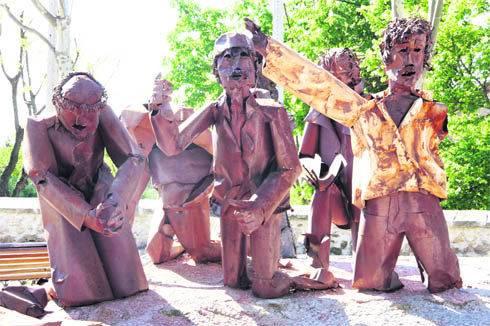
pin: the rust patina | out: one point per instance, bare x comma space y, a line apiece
395, 137
84, 208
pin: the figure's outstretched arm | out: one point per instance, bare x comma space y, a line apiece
306, 80
41, 166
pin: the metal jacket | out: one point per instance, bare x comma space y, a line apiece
71, 179
328, 140
266, 163
390, 158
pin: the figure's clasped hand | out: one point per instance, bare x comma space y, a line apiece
160, 98
258, 37
106, 218
248, 215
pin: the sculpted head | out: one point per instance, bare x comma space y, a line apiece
405, 50
78, 100
344, 65
234, 63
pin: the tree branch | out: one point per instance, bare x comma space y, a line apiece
287, 16
27, 28
41, 109
77, 50
476, 80
49, 17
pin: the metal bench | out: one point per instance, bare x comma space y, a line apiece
24, 261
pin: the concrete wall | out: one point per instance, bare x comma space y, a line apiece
469, 231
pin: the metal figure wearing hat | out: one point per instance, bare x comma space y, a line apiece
395, 137
92, 251
255, 164
331, 202
184, 183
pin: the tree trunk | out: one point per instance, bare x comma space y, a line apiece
397, 9
14, 158
21, 184
61, 63
435, 12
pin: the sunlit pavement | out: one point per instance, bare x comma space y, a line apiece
182, 293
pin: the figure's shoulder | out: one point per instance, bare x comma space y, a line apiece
438, 110
134, 117
270, 108
44, 121
269, 103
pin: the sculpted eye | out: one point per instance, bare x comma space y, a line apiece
244, 54
403, 50
227, 55
417, 49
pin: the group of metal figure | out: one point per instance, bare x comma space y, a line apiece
380, 173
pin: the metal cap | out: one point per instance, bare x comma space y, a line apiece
232, 40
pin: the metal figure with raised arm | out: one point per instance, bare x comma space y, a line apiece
184, 183
395, 137
255, 164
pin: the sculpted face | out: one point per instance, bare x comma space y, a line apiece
405, 61
347, 70
80, 122
235, 68
78, 105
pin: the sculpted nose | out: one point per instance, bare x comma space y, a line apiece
236, 62
409, 60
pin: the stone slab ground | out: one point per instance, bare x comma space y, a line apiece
182, 293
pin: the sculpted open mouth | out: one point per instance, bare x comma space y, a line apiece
408, 73
236, 76
78, 127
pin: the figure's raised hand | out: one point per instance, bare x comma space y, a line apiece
160, 98
258, 37
248, 216
106, 218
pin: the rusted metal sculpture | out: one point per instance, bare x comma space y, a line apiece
184, 183
331, 140
395, 137
84, 208
28, 300
255, 164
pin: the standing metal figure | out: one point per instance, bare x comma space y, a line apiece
332, 201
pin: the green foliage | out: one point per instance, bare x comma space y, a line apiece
466, 156
301, 193
461, 66
110, 164
191, 44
